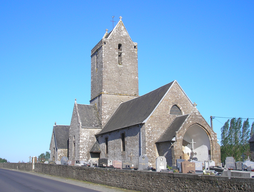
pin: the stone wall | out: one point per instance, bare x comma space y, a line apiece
17, 166
141, 180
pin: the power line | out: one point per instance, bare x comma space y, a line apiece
229, 117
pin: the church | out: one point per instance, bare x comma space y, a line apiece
121, 125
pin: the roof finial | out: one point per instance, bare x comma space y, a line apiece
120, 18
55, 123
106, 30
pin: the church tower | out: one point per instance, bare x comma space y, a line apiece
114, 71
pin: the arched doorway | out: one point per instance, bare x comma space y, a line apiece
196, 144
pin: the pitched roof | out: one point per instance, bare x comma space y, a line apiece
89, 116
251, 139
96, 148
135, 111
61, 134
170, 133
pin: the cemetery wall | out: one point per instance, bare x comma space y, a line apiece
17, 166
140, 180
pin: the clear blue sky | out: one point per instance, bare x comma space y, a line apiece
207, 46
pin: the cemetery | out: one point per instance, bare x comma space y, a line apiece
242, 169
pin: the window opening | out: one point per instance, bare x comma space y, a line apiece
175, 110
123, 141
106, 142
120, 54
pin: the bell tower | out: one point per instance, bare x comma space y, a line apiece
114, 71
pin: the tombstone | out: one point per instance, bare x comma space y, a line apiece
239, 165
58, 162
110, 163
127, 165
64, 161
211, 163
230, 163
179, 164
117, 164
198, 165
188, 167
143, 162
103, 162
249, 163
161, 163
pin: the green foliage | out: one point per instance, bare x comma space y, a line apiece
44, 157
252, 129
234, 139
3, 160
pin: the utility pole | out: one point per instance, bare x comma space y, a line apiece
211, 119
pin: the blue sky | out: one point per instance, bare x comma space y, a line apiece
45, 46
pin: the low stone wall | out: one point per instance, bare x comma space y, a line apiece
143, 181
17, 166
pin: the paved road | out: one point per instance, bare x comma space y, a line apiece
17, 181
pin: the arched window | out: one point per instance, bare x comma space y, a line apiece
175, 110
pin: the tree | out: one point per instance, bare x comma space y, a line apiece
234, 139
252, 129
3, 160
44, 157
47, 156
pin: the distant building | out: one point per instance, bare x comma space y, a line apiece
121, 125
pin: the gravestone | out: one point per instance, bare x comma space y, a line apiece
110, 162
103, 162
161, 163
117, 164
249, 163
230, 163
64, 161
188, 167
127, 165
239, 165
143, 162
209, 164
179, 164
198, 165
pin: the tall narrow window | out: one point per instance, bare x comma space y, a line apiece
123, 141
106, 143
120, 54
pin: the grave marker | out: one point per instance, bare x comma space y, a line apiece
161, 163
117, 164
143, 162
188, 167
179, 164
230, 163
239, 165
103, 162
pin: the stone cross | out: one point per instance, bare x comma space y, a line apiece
192, 148
131, 155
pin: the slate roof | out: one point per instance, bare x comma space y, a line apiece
170, 133
96, 148
251, 139
135, 111
61, 134
89, 116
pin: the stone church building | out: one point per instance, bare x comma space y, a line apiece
121, 125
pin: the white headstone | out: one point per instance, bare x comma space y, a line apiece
161, 163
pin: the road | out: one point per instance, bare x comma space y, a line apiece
17, 181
